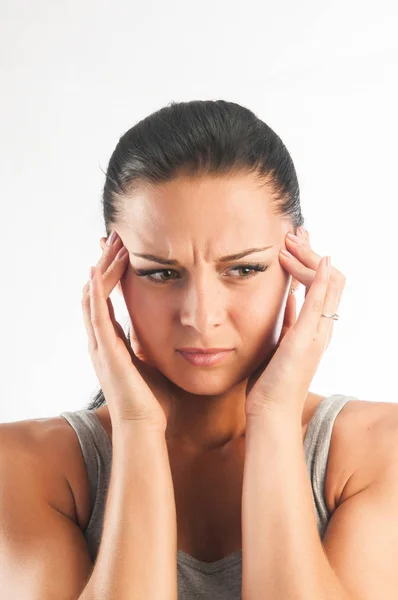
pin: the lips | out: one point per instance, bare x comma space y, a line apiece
203, 350
205, 359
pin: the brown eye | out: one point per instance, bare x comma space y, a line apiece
251, 268
149, 273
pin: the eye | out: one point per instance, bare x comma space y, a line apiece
253, 269
149, 273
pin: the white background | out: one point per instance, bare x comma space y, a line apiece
76, 75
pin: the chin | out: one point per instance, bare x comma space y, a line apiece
206, 383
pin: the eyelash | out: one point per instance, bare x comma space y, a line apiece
147, 273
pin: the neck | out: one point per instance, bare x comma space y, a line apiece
201, 422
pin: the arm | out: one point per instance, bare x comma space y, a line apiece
137, 558
43, 552
282, 554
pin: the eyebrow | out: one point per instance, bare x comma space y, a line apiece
230, 257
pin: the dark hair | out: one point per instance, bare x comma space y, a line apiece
201, 137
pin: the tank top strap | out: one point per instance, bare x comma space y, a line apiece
95, 445
316, 449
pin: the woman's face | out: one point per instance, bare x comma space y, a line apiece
200, 301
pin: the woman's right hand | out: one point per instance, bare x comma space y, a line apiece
134, 390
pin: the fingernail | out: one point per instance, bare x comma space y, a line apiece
112, 238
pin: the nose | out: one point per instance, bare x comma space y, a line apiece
203, 304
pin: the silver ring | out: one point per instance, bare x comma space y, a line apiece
335, 317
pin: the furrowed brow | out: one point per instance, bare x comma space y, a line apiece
229, 258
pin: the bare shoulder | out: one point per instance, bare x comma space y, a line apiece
364, 443
50, 447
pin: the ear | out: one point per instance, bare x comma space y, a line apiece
103, 244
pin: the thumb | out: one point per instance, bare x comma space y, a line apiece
290, 316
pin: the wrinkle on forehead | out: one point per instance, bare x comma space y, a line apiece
200, 216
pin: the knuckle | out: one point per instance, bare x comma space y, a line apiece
294, 343
339, 278
96, 320
105, 258
317, 305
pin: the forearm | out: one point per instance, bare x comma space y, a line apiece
137, 558
282, 553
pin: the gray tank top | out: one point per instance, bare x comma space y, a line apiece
222, 579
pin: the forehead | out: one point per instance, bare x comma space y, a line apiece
201, 204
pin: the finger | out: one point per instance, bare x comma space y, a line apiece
92, 341
114, 263
302, 250
114, 322
299, 271
104, 331
117, 325
306, 327
109, 281
305, 255
331, 306
120, 332
107, 261
111, 248
303, 263
290, 316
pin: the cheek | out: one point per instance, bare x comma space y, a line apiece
260, 319
264, 305
140, 300
150, 320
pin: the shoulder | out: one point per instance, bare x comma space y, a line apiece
364, 443
50, 447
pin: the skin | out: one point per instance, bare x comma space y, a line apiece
204, 303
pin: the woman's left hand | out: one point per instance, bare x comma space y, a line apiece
282, 386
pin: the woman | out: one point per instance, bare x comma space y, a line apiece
222, 456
